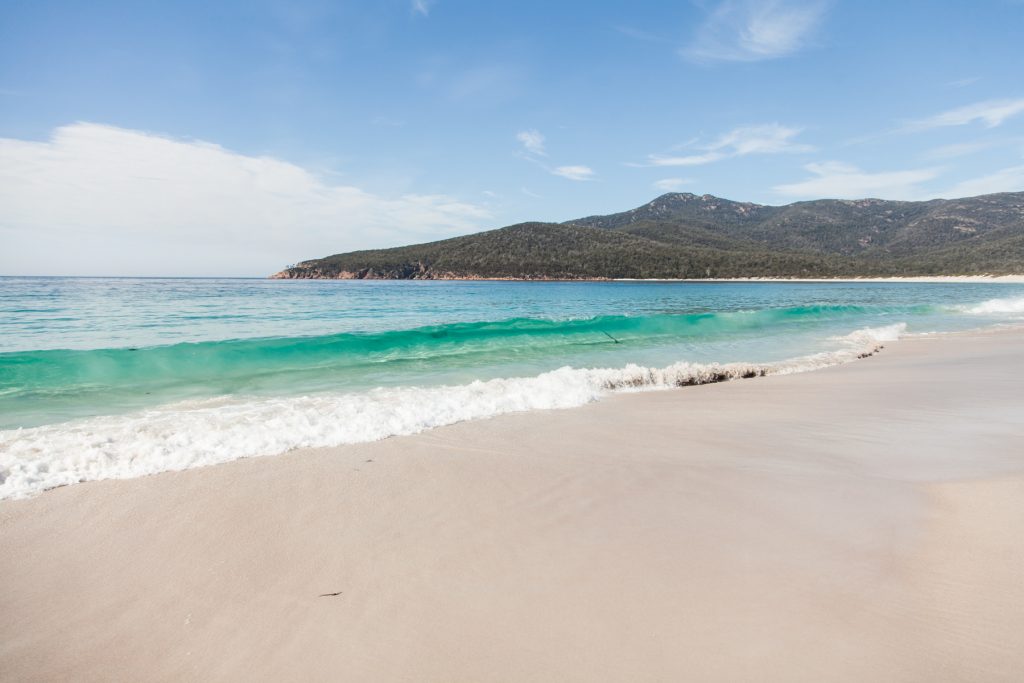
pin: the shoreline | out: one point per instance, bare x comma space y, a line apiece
932, 279
559, 388
926, 279
863, 521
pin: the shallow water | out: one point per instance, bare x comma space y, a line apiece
120, 377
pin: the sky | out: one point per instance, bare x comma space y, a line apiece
235, 138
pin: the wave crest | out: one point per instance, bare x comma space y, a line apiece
210, 431
996, 306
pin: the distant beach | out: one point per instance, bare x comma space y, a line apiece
862, 522
932, 279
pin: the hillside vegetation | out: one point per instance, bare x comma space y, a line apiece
681, 235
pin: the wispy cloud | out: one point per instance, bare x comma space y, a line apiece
755, 30
128, 202
1006, 180
842, 181
959, 149
685, 160
422, 7
532, 141
991, 113
574, 172
671, 184
770, 138
963, 82
479, 85
534, 150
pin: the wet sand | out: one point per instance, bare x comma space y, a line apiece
864, 522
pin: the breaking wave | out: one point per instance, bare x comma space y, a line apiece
196, 433
996, 306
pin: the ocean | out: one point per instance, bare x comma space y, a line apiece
120, 377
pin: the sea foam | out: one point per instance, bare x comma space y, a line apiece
996, 306
205, 432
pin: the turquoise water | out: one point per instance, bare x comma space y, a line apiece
130, 376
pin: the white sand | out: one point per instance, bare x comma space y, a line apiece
864, 522
1006, 279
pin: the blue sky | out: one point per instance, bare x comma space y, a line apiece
233, 138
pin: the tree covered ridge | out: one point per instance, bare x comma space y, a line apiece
681, 235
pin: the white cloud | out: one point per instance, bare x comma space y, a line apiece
764, 139
534, 148
532, 141
686, 160
574, 172
767, 139
422, 7
1007, 180
992, 113
959, 149
754, 30
671, 184
834, 179
97, 199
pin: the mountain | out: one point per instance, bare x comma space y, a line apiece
682, 235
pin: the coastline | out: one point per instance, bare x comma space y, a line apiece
925, 279
933, 279
858, 522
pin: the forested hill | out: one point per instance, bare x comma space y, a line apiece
681, 235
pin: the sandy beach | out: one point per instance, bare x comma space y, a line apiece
864, 522
920, 279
